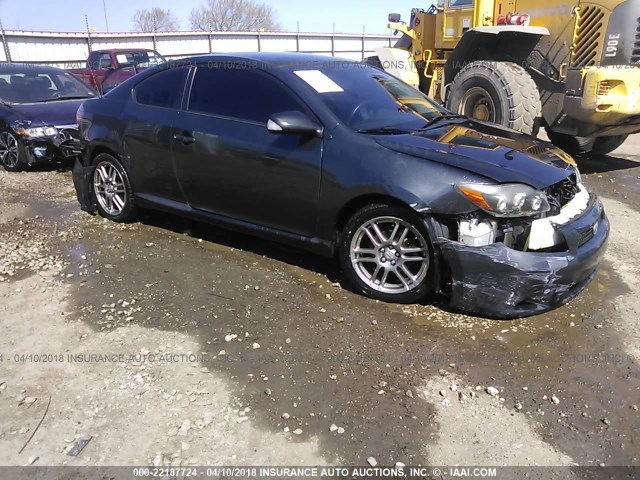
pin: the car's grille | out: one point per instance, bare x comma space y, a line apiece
69, 134
589, 33
635, 54
68, 141
561, 193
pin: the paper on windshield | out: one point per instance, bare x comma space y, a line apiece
319, 81
122, 58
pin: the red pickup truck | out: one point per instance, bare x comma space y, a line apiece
106, 69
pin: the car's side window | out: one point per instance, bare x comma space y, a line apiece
242, 93
105, 61
164, 89
94, 61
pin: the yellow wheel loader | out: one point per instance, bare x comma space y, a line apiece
570, 67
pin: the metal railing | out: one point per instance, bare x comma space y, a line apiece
68, 49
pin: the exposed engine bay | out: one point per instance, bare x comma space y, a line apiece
568, 200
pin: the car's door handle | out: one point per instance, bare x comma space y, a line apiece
186, 139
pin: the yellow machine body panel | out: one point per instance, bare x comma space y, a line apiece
587, 68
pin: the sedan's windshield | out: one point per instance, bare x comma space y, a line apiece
368, 99
33, 85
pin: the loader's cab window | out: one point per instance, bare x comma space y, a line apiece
460, 3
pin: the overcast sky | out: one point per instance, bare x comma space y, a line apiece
314, 16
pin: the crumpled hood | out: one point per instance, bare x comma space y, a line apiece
62, 112
497, 153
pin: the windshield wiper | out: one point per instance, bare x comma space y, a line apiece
386, 131
69, 97
439, 118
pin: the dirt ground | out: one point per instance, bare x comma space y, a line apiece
168, 342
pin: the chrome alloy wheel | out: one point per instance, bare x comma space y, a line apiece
109, 188
389, 255
8, 150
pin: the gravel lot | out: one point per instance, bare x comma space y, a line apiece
168, 342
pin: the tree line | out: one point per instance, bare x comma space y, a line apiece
212, 16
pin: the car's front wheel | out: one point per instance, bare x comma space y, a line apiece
112, 190
385, 253
12, 153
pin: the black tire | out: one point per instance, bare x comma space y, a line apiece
413, 288
13, 154
584, 146
606, 145
502, 92
110, 180
570, 144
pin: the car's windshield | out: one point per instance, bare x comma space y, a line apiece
33, 85
140, 59
366, 98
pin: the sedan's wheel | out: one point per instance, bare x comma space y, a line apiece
112, 190
11, 152
385, 253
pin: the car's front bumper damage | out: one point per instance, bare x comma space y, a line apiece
64, 146
499, 282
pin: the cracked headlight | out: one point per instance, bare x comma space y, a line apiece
506, 200
38, 132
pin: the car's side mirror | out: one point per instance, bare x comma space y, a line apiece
394, 18
294, 123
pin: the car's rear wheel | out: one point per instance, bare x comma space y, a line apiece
12, 153
112, 190
386, 254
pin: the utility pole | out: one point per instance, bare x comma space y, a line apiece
86, 21
5, 45
106, 19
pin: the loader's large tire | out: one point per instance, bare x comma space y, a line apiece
606, 145
498, 92
570, 144
585, 147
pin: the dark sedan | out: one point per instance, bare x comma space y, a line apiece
345, 160
38, 107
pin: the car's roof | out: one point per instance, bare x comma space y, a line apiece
274, 59
27, 67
